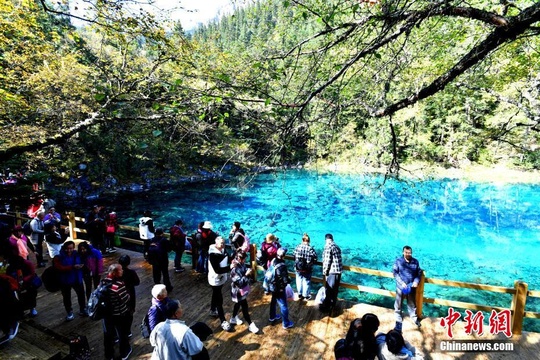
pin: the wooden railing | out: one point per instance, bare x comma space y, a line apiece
519, 292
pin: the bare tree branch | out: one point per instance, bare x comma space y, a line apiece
517, 26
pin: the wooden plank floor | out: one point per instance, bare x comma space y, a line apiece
313, 336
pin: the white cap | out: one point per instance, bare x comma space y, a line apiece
207, 225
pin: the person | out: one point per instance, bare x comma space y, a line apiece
10, 308
173, 339
130, 279
407, 274
48, 203
38, 235
52, 217
19, 245
178, 240
202, 259
158, 257
53, 239
304, 259
269, 247
207, 238
70, 265
156, 312
95, 228
92, 260
35, 207
111, 225
238, 237
392, 346
279, 296
332, 268
146, 231
218, 269
24, 272
360, 342
116, 322
240, 282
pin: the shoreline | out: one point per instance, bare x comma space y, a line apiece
498, 174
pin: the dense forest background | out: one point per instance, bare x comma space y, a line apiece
128, 96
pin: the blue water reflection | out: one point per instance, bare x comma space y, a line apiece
459, 230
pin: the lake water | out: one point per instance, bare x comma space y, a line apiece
476, 232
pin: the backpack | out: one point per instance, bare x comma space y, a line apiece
145, 327
272, 281
145, 323
262, 258
27, 228
51, 279
99, 303
302, 265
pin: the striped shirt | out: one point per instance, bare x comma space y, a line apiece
305, 251
332, 263
118, 296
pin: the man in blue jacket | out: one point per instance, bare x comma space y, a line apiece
407, 273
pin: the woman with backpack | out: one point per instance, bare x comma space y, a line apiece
304, 259
278, 279
269, 249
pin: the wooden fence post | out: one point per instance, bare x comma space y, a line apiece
420, 295
194, 254
72, 225
518, 306
253, 261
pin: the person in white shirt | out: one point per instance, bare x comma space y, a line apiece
172, 338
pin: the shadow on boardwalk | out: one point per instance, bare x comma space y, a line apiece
313, 336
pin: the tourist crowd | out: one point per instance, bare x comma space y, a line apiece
79, 267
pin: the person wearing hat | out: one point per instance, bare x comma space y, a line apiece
332, 268
279, 296
207, 238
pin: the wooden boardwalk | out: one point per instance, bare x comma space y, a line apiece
313, 336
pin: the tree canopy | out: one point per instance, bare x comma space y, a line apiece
376, 83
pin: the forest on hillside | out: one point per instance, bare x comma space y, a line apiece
127, 95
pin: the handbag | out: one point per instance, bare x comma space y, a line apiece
117, 241
79, 349
290, 293
244, 291
36, 282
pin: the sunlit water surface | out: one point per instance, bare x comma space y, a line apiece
476, 232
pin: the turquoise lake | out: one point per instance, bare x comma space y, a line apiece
476, 232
